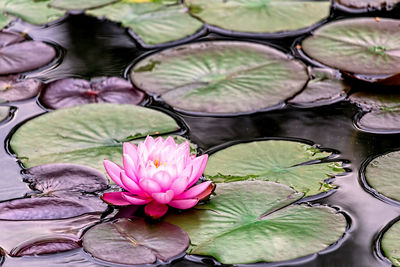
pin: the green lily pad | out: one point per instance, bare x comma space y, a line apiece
222, 77
86, 134
79, 4
391, 244
36, 12
259, 16
363, 4
4, 20
142, 241
363, 45
274, 160
153, 22
4, 112
382, 174
253, 221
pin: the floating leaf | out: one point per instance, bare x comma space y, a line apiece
72, 92
279, 161
79, 4
382, 174
251, 221
33, 11
4, 20
17, 56
8, 38
132, 242
13, 88
325, 87
4, 112
363, 4
259, 16
391, 244
362, 46
154, 22
86, 134
220, 77
20, 238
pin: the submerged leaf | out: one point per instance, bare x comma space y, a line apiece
13, 88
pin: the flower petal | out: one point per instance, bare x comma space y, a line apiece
114, 171
163, 198
194, 191
179, 185
129, 167
155, 210
131, 150
115, 198
199, 164
136, 200
150, 186
183, 204
163, 178
132, 186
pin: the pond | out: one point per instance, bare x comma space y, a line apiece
299, 119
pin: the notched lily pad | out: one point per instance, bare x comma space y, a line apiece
86, 134
17, 55
21, 238
254, 221
390, 244
259, 16
145, 243
153, 22
292, 163
365, 46
13, 88
369, 4
72, 92
223, 77
79, 5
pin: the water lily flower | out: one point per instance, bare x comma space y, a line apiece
158, 173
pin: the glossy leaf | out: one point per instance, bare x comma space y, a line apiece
152, 22
253, 221
20, 238
220, 77
279, 161
8, 38
13, 88
376, 4
72, 92
134, 241
362, 45
79, 4
391, 244
86, 134
4, 20
259, 16
4, 112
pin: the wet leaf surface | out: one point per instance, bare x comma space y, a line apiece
8, 38
376, 4
390, 244
20, 238
72, 92
4, 20
154, 22
4, 112
278, 161
220, 77
134, 241
259, 16
79, 4
13, 88
253, 221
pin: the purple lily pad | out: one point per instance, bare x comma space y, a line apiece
20, 238
72, 92
13, 89
17, 55
143, 242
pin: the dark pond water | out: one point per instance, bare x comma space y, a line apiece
93, 48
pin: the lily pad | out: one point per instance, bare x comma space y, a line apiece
36, 12
86, 134
325, 87
382, 174
259, 16
153, 22
363, 4
13, 88
4, 112
20, 238
222, 77
391, 244
143, 242
72, 92
8, 38
292, 163
79, 4
4, 20
363, 46
253, 221
382, 111
16, 57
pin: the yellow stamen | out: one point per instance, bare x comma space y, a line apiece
157, 163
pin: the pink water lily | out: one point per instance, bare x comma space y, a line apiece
158, 173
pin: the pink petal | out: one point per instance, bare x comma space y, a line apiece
115, 198
163, 178
194, 191
149, 142
114, 171
163, 198
199, 164
183, 204
149, 186
132, 186
155, 210
179, 185
131, 150
129, 167
136, 200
